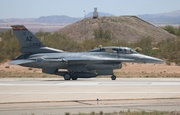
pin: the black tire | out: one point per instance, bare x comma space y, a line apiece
113, 77
74, 78
67, 77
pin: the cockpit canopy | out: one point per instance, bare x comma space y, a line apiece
114, 49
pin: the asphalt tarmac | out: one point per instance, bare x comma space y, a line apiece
39, 96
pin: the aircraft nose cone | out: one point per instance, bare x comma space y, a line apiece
149, 59
156, 60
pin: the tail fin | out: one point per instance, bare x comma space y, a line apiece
26, 38
29, 43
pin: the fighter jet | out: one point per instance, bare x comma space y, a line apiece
99, 61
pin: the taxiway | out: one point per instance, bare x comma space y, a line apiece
56, 96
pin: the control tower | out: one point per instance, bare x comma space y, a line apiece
95, 13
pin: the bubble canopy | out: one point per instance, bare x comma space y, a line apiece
114, 49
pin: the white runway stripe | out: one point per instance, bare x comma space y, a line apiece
97, 84
89, 92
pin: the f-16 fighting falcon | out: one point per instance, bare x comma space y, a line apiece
99, 61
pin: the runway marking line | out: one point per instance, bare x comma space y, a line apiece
170, 98
15, 93
97, 84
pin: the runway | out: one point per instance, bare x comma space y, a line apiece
56, 96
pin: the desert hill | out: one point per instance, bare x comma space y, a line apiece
127, 28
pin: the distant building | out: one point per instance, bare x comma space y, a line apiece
95, 13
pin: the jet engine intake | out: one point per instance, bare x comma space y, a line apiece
80, 67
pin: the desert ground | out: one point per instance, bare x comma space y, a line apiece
131, 70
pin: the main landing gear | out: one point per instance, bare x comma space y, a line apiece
113, 77
68, 77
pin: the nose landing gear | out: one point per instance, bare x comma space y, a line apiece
113, 77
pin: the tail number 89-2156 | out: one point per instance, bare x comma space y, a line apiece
35, 44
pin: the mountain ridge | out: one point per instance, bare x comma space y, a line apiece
172, 17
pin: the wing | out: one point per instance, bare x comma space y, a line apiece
22, 61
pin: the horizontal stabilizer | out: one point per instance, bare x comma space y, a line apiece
17, 62
40, 50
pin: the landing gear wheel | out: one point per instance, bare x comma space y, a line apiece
67, 77
74, 78
113, 77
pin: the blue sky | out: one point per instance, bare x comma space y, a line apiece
74, 8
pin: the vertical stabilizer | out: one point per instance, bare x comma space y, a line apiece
29, 43
26, 38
